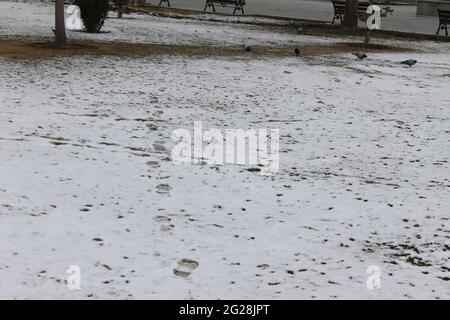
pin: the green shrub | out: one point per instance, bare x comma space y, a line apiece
93, 13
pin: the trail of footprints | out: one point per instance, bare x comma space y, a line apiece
185, 266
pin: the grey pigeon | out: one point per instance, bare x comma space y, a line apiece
361, 56
409, 62
297, 51
385, 11
247, 48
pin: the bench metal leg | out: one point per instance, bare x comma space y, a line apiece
210, 4
442, 27
238, 8
336, 17
161, 2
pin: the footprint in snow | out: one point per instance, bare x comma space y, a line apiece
162, 219
159, 148
185, 267
151, 126
165, 223
163, 188
153, 164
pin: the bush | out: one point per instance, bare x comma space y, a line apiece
93, 13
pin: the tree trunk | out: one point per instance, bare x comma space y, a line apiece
60, 26
367, 38
351, 14
120, 9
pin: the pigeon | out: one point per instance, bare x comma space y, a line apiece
385, 11
361, 56
247, 48
300, 30
297, 51
409, 62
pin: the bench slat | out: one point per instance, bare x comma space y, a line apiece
444, 15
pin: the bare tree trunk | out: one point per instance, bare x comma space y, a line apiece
120, 4
367, 38
60, 26
351, 14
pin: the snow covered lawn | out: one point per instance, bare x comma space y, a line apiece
86, 177
37, 20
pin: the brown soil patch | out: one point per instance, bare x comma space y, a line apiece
29, 48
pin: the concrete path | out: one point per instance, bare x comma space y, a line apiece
403, 19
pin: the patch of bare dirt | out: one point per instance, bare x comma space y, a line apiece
30, 48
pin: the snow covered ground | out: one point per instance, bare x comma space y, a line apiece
86, 177
37, 20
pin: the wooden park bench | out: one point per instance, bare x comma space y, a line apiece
237, 4
444, 20
339, 10
121, 6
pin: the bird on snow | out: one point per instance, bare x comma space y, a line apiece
409, 62
361, 56
297, 51
247, 48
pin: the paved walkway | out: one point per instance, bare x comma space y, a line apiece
403, 19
